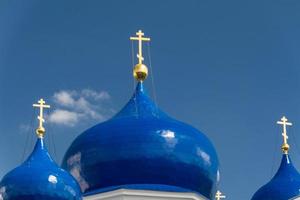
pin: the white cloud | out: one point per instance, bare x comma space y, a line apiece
74, 106
103, 95
64, 117
64, 98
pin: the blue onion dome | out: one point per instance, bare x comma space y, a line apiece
286, 182
284, 185
39, 178
141, 147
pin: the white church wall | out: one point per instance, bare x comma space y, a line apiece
124, 194
295, 198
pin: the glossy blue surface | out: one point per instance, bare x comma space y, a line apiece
141, 147
39, 178
283, 186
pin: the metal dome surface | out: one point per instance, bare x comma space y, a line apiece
39, 178
143, 148
284, 185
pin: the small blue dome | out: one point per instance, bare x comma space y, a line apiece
38, 178
143, 148
283, 186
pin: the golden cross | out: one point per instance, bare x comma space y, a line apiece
41, 130
219, 195
140, 38
284, 122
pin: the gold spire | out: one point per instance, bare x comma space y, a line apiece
285, 146
219, 195
140, 71
40, 131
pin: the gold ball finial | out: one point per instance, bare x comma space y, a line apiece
40, 132
285, 148
140, 72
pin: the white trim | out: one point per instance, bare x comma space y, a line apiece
295, 198
125, 194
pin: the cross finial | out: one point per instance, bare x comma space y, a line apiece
219, 195
40, 131
284, 122
140, 39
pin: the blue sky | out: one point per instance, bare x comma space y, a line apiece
230, 68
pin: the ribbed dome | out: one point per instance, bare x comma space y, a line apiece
39, 178
142, 148
283, 186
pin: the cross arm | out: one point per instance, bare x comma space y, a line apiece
137, 38
39, 105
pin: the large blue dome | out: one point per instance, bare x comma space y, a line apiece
143, 148
39, 178
284, 185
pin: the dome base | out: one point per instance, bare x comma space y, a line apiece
143, 191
